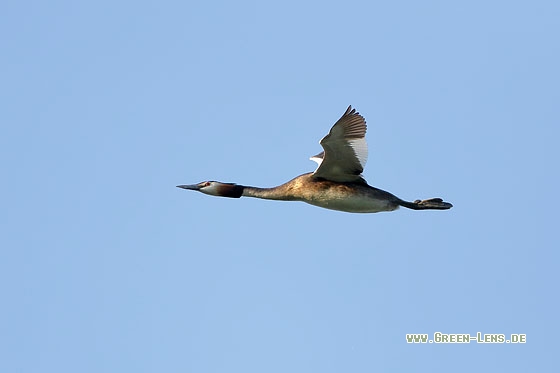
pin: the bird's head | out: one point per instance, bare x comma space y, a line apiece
215, 188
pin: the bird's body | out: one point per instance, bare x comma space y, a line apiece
342, 196
337, 184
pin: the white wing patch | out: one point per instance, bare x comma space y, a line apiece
318, 158
360, 149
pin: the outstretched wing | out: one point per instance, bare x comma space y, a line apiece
345, 149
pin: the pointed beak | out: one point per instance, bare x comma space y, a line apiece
190, 187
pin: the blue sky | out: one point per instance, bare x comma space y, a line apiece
105, 266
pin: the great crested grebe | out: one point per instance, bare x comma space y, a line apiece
337, 183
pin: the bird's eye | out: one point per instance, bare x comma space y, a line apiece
206, 184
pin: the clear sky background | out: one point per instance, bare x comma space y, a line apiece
106, 266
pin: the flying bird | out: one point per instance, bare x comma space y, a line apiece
336, 184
